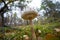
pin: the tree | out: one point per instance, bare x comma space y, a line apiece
51, 9
6, 20
6, 8
14, 18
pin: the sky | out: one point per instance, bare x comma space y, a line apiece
34, 4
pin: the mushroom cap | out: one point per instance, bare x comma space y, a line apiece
29, 15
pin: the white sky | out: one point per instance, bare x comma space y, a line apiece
34, 4
37, 3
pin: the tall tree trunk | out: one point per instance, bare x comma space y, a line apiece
2, 20
3, 30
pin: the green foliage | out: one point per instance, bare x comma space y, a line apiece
18, 33
50, 10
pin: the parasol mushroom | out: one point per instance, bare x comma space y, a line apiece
30, 15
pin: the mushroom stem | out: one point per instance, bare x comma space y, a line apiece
32, 31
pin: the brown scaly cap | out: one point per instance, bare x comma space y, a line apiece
29, 15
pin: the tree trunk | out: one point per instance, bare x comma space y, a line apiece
2, 20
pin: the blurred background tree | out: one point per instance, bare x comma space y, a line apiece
6, 6
51, 10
